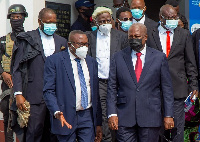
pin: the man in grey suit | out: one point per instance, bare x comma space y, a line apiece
104, 42
176, 43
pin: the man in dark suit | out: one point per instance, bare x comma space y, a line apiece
104, 42
196, 45
176, 43
138, 75
138, 9
71, 92
29, 54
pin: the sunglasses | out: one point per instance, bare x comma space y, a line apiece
127, 19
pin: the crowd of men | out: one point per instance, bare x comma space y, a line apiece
112, 80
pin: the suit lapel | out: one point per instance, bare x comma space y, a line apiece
90, 69
68, 67
156, 38
129, 63
39, 40
113, 42
94, 44
57, 45
176, 39
147, 64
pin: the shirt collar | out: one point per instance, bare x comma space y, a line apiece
141, 20
100, 33
163, 30
72, 57
143, 51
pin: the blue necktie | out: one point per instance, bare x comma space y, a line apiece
84, 93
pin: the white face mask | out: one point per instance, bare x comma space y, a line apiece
81, 52
105, 28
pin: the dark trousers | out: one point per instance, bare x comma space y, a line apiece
82, 130
179, 121
5, 111
108, 135
138, 134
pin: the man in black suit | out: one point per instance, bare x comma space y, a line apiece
29, 54
196, 44
138, 9
177, 44
104, 42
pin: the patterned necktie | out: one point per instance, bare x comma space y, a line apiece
138, 66
84, 93
168, 43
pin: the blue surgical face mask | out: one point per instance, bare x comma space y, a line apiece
49, 29
137, 13
171, 24
125, 25
94, 28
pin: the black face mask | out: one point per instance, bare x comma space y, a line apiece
88, 12
136, 44
17, 25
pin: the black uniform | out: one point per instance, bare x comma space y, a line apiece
5, 101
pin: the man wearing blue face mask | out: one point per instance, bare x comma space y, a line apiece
124, 19
138, 9
176, 43
29, 54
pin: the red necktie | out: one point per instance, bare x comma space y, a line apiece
168, 43
138, 66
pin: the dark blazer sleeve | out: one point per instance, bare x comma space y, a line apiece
49, 86
124, 38
167, 89
190, 63
112, 88
17, 56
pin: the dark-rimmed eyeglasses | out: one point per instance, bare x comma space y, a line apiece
80, 44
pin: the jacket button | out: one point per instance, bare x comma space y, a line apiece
138, 90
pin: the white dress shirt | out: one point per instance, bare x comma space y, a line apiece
134, 59
103, 55
141, 20
77, 81
48, 45
163, 37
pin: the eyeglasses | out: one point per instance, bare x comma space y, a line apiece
105, 21
170, 18
126, 19
15, 17
80, 44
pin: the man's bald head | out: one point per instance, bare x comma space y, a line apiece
139, 27
137, 4
167, 10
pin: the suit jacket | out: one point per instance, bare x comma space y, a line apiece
196, 38
149, 23
60, 90
181, 60
139, 102
118, 41
28, 49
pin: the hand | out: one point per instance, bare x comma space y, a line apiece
7, 79
59, 115
168, 123
20, 102
98, 137
113, 122
195, 92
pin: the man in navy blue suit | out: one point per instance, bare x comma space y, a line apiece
71, 92
138, 75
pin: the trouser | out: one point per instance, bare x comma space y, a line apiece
108, 135
179, 121
5, 111
83, 128
138, 134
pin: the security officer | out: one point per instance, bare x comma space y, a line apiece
16, 14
